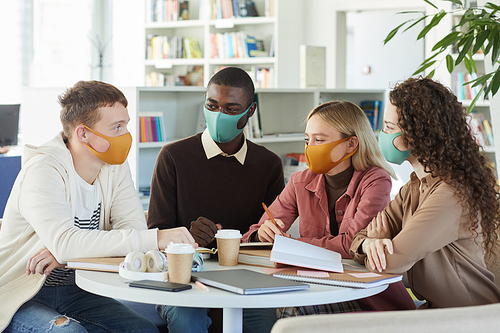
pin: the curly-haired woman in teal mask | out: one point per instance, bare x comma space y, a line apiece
445, 218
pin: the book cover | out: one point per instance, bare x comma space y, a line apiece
105, 264
184, 10
351, 279
251, 44
192, 47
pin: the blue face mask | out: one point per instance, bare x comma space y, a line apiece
223, 127
390, 152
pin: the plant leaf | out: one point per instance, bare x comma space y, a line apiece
449, 39
393, 32
467, 64
424, 67
416, 22
431, 74
435, 20
495, 82
489, 5
430, 3
449, 63
496, 49
465, 49
481, 79
480, 39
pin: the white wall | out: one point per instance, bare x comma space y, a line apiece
389, 63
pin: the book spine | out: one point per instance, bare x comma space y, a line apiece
338, 283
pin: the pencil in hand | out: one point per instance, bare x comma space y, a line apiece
272, 219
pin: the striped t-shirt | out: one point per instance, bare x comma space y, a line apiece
87, 216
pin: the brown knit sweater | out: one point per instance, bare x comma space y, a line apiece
187, 185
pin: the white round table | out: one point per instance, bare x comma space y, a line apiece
113, 285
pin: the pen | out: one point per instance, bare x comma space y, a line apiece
202, 286
272, 218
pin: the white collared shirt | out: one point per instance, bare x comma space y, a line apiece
212, 150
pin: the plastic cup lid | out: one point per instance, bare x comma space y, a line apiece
179, 248
228, 233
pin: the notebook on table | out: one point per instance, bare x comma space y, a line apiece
246, 282
350, 279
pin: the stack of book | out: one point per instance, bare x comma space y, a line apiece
151, 127
167, 10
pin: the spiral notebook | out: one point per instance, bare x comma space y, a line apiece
351, 279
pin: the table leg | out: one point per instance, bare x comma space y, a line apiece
232, 320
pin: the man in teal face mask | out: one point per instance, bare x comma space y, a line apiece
215, 179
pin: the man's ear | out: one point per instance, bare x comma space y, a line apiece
352, 143
80, 132
252, 109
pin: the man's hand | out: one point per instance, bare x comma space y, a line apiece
204, 230
375, 252
268, 230
42, 262
175, 235
379, 227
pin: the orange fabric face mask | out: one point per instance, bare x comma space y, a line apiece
118, 150
319, 157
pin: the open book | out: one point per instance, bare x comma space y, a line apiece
351, 279
296, 253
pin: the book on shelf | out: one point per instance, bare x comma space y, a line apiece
293, 252
481, 129
105, 264
351, 279
183, 10
151, 127
164, 47
373, 111
312, 66
192, 48
294, 162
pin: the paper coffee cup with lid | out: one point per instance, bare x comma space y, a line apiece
228, 244
180, 261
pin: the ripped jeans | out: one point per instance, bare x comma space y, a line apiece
71, 309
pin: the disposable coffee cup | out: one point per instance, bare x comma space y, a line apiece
180, 261
228, 244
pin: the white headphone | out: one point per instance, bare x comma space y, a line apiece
156, 261
136, 261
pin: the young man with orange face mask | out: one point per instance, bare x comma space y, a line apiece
74, 198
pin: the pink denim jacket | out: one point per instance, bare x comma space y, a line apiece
367, 194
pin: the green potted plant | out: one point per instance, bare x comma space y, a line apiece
477, 30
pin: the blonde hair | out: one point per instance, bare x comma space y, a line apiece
348, 119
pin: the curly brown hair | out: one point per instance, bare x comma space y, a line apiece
436, 130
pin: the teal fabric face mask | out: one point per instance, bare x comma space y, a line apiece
223, 127
390, 152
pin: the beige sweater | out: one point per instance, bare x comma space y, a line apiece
433, 244
40, 214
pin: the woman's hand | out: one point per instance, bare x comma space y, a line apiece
379, 227
375, 252
268, 230
43, 262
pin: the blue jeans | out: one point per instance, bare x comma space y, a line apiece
196, 320
81, 311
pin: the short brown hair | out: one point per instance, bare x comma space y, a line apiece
80, 103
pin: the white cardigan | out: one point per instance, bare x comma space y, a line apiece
40, 214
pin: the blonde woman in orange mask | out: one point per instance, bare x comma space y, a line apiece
348, 182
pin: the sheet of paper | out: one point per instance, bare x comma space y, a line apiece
318, 274
364, 275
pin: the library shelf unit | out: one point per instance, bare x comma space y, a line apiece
282, 113
283, 22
